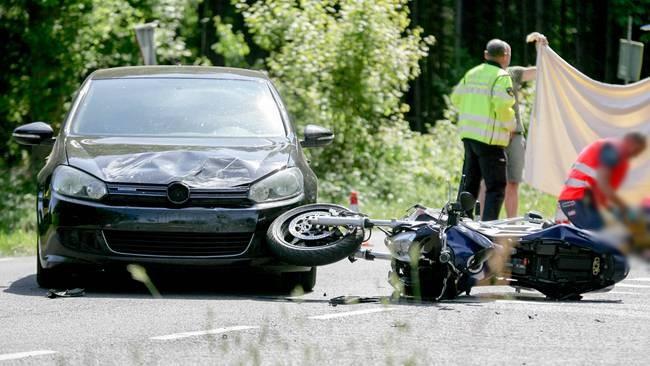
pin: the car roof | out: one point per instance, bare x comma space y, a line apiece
161, 71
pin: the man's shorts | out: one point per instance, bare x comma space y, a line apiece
516, 152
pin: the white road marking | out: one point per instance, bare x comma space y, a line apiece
15, 356
6, 259
631, 286
579, 308
529, 302
350, 313
202, 332
647, 279
623, 293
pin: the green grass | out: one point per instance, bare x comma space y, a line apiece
530, 200
17, 243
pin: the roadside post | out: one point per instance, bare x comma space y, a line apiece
630, 57
144, 34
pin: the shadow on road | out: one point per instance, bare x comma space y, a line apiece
202, 285
186, 284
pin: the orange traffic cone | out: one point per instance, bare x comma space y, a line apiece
354, 206
354, 201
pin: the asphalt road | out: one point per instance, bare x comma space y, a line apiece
215, 319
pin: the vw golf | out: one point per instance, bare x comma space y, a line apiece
170, 165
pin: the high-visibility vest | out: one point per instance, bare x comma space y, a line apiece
582, 176
484, 100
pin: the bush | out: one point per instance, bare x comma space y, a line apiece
17, 210
345, 65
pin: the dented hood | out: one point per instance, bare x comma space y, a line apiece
204, 163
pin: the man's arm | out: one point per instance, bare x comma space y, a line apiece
609, 158
502, 101
603, 175
530, 73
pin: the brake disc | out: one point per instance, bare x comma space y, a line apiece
301, 228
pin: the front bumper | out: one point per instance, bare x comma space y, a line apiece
73, 232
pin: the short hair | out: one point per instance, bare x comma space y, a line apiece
496, 48
637, 137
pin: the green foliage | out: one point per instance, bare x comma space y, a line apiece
231, 45
60, 42
344, 65
17, 210
56, 44
174, 17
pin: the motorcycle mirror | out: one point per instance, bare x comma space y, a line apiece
467, 201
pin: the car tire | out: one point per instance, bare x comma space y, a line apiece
303, 280
52, 278
314, 255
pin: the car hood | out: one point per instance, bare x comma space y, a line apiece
201, 163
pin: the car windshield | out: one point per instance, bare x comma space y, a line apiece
175, 107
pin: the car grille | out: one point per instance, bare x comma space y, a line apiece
156, 195
177, 244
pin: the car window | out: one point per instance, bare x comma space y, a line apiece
178, 107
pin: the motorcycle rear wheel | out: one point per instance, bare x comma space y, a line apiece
328, 246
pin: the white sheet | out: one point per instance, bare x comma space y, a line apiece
572, 110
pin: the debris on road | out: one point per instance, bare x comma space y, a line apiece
75, 292
351, 300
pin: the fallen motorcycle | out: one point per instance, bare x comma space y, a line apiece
440, 254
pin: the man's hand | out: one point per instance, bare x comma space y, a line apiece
603, 176
537, 37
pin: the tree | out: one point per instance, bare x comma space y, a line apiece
345, 65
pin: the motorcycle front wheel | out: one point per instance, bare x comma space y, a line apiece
294, 240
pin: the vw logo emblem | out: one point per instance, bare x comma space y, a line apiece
178, 193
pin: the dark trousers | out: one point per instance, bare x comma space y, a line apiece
583, 213
487, 162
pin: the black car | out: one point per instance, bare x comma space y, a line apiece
170, 165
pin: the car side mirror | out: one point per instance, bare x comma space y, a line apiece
467, 201
34, 133
317, 136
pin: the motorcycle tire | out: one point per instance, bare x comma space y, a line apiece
311, 256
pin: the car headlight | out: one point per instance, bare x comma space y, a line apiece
71, 182
283, 184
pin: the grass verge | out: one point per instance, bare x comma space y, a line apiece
17, 243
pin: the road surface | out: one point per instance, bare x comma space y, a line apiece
219, 320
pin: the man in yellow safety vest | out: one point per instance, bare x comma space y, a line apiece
484, 99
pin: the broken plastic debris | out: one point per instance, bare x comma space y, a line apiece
349, 300
75, 292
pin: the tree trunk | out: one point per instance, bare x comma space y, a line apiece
539, 19
579, 13
458, 19
563, 25
524, 22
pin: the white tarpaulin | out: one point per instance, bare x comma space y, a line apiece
571, 111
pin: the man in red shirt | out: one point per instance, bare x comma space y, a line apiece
596, 176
